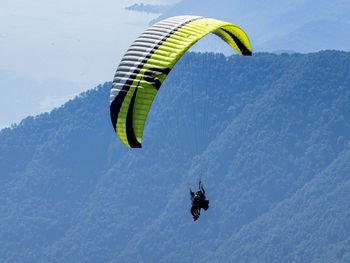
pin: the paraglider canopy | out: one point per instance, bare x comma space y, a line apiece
149, 60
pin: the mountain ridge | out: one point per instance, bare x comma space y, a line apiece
274, 164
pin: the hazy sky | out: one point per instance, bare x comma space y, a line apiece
52, 50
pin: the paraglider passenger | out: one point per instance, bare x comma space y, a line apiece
198, 201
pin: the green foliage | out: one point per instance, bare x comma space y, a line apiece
269, 134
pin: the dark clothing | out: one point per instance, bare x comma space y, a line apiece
198, 201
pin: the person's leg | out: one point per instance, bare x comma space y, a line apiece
193, 211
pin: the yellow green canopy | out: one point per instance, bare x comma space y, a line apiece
149, 60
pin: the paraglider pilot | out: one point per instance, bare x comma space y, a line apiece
198, 201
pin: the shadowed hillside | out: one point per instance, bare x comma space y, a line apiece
268, 135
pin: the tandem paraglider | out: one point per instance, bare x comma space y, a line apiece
145, 66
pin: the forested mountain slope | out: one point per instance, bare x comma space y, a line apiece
268, 135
